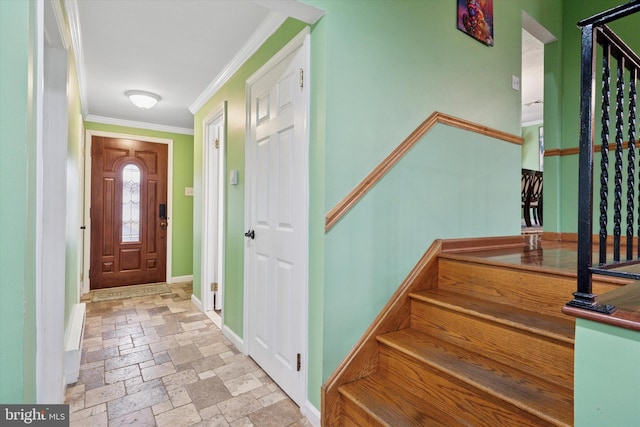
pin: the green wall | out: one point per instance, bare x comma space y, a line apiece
317, 208
530, 148
383, 67
18, 62
233, 91
607, 375
182, 209
376, 74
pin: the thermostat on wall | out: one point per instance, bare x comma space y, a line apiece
233, 177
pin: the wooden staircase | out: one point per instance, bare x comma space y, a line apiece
478, 343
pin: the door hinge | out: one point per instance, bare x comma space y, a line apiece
301, 77
214, 287
216, 143
299, 362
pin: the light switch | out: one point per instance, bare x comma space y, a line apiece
515, 83
233, 177
188, 191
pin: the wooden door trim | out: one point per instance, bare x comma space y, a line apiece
89, 134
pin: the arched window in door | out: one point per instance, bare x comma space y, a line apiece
131, 203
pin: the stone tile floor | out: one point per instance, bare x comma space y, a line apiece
159, 361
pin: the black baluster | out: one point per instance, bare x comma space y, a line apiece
617, 200
631, 195
632, 127
604, 151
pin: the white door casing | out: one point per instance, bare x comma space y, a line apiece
213, 192
276, 210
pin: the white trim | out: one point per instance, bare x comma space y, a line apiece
235, 339
311, 412
87, 199
270, 25
71, 6
50, 337
301, 41
181, 279
215, 318
211, 232
293, 8
196, 301
55, 33
138, 125
73, 343
42, 318
534, 28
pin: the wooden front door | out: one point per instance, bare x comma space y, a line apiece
128, 212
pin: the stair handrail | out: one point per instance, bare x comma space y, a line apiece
596, 32
353, 197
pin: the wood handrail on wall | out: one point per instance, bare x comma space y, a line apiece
338, 211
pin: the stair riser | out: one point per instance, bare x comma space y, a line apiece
451, 395
538, 355
532, 291
354, 415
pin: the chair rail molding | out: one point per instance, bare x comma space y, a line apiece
350, 200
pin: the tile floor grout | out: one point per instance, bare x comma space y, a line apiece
159, 361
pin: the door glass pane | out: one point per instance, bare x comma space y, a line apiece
131, 204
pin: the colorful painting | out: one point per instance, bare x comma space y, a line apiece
475, 17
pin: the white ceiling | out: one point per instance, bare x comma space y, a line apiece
178, 49
183, 50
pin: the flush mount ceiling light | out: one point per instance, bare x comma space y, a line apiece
142, 99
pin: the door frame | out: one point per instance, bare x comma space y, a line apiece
300, 41
86, 287
214, 208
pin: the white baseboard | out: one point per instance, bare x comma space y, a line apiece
73, 344
181, 279
311, 412
235, 340
195, 301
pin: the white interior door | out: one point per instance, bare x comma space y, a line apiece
277, 202
213, 241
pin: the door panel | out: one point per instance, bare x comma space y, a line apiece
128, 238
277, 204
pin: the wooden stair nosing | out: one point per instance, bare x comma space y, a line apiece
552, 327
573, 275
506, 285
390, 405
536, 396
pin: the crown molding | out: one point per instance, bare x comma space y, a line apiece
138, 125
55, 30
294, 9
272, 22
71, 7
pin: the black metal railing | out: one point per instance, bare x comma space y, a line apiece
617, 59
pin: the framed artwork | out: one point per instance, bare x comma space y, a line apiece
475, 17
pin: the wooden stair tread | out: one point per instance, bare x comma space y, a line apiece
470, 257
391, 405
548, 401
537, 323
